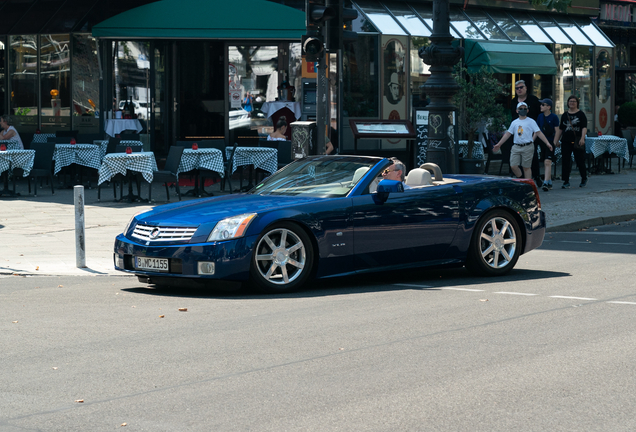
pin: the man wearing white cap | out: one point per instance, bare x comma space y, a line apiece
524, 130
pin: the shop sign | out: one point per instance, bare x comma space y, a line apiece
614, 12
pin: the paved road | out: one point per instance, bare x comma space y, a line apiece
549, 347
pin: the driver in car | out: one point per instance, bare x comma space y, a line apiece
396, 171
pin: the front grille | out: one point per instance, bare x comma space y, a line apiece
154, 233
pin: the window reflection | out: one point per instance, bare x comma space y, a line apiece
485, 24
531, 27
3, 79
132, 76
55, 83
551, 28
592, 32
463, 25
85, 84
511, 28
420, 72
380, 17
573, 31
23, 52
584, 60
603, 69
408, 18
563, 80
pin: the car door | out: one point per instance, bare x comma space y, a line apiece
412, 226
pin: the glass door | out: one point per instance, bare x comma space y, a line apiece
158, 124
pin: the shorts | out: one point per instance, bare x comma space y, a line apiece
545, 152
522, 155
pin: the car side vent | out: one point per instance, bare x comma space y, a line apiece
154, 233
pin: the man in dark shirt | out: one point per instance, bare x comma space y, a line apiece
534, 109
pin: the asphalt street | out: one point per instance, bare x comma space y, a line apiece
548, 347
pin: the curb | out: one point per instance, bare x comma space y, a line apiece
586, 223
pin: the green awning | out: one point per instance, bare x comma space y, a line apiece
509, 57
205, 19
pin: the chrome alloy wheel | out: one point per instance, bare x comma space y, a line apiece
280, 256
498, 242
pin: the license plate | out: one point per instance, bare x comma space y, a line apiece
154, 264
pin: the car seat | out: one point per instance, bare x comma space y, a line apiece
419, 177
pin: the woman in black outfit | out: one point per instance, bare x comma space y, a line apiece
573, 126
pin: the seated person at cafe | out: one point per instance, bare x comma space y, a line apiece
8, 131
279, 133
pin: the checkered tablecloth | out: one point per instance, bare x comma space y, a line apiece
11, 145
103, 146
88, 155
12, 159
42, 137
208, 158
607, 144
261, 157
478, 149
121, 163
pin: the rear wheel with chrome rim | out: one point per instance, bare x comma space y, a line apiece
283, 258
496, 244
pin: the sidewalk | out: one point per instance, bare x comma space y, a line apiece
37, 234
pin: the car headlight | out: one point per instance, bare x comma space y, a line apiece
232, 227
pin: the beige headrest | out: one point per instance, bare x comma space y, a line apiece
419, 177
358, 174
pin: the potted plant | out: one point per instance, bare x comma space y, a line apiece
477, 102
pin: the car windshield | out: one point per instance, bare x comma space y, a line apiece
326, 176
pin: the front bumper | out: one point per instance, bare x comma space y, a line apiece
231, 258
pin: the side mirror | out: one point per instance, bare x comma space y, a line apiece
385, 187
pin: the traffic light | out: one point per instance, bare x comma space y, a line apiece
317, 13
313, 47
337, 32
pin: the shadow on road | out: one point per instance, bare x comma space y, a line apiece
358, 284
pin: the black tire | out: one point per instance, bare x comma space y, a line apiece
282, 260
494, 255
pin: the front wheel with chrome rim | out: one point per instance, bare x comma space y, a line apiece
283, 259
495, 245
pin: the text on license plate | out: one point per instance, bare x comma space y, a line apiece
156, 264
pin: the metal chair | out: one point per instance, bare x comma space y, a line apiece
42, 166
169, 173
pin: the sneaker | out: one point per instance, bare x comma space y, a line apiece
566, 185
545, 187
550, 185
583, 183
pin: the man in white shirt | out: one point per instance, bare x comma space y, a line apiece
524, 131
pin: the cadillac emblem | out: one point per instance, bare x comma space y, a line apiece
154, 233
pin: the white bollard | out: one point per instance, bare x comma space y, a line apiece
80, 248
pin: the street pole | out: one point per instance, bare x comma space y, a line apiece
441, 56
80, 234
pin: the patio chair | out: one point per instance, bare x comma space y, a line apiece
627, 134
169, 173
42, 166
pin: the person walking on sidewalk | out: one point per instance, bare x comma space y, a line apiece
548, 122
534, 109
524, 130
573, 127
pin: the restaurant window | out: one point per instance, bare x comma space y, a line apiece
563, 85
132, 76
23, 77
3, 78
420, 72
360, 78
55, 82
85, 84
252, 69
584, 60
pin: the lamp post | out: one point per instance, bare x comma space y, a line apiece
441, 56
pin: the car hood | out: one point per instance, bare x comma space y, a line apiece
212, 210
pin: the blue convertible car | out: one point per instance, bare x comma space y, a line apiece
327, 216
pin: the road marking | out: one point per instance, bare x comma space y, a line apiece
463, 289
515, 293
573, 298
619, 244
415, 286
622, 302
604, 233
571, 241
